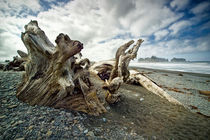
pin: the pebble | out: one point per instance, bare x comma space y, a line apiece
104, 119
141, 99
1, 117
49, 133
107, 108
86, 131
91, 134
20, 139
12, 106
30, 127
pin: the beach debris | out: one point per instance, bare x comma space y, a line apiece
203, 92
193, 107
180, 74
17, 64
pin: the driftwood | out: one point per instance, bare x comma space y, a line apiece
17, 64
56, 76
135, 76
115, 72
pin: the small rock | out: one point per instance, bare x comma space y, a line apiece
104, 119
97, 131
19, 139
75, 121
12, 106
141, 99
107, 108
91, 134
1, 117
49, 133
4, 101
86, 131
19, 122
30, 127
125, 128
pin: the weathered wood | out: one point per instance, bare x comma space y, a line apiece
17, 64
115, 72
151, 86
56, 76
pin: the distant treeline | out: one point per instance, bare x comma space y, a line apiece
158, 59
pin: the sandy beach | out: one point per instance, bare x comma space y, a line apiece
140, 114
186, 87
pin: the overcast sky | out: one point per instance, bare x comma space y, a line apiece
178, 28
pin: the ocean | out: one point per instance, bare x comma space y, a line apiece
195, 67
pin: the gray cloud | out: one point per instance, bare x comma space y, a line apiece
96, 21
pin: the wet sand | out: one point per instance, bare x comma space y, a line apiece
143, 113
191, 89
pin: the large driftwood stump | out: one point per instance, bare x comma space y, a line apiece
56, 76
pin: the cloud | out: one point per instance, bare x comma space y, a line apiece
200, 8
179, 4
19, 7
102, 25
178, 26
148, 17
173, 47
161, 34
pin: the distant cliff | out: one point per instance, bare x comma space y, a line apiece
157, 59
153, 59
178, 60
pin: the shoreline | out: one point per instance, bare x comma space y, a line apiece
171, 71
186, 87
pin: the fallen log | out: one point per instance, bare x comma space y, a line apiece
134, 78
151, 86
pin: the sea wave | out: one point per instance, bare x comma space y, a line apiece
195, 67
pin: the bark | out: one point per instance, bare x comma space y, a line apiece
56, 76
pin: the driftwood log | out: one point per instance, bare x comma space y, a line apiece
143, 80
56, 76
135, 77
